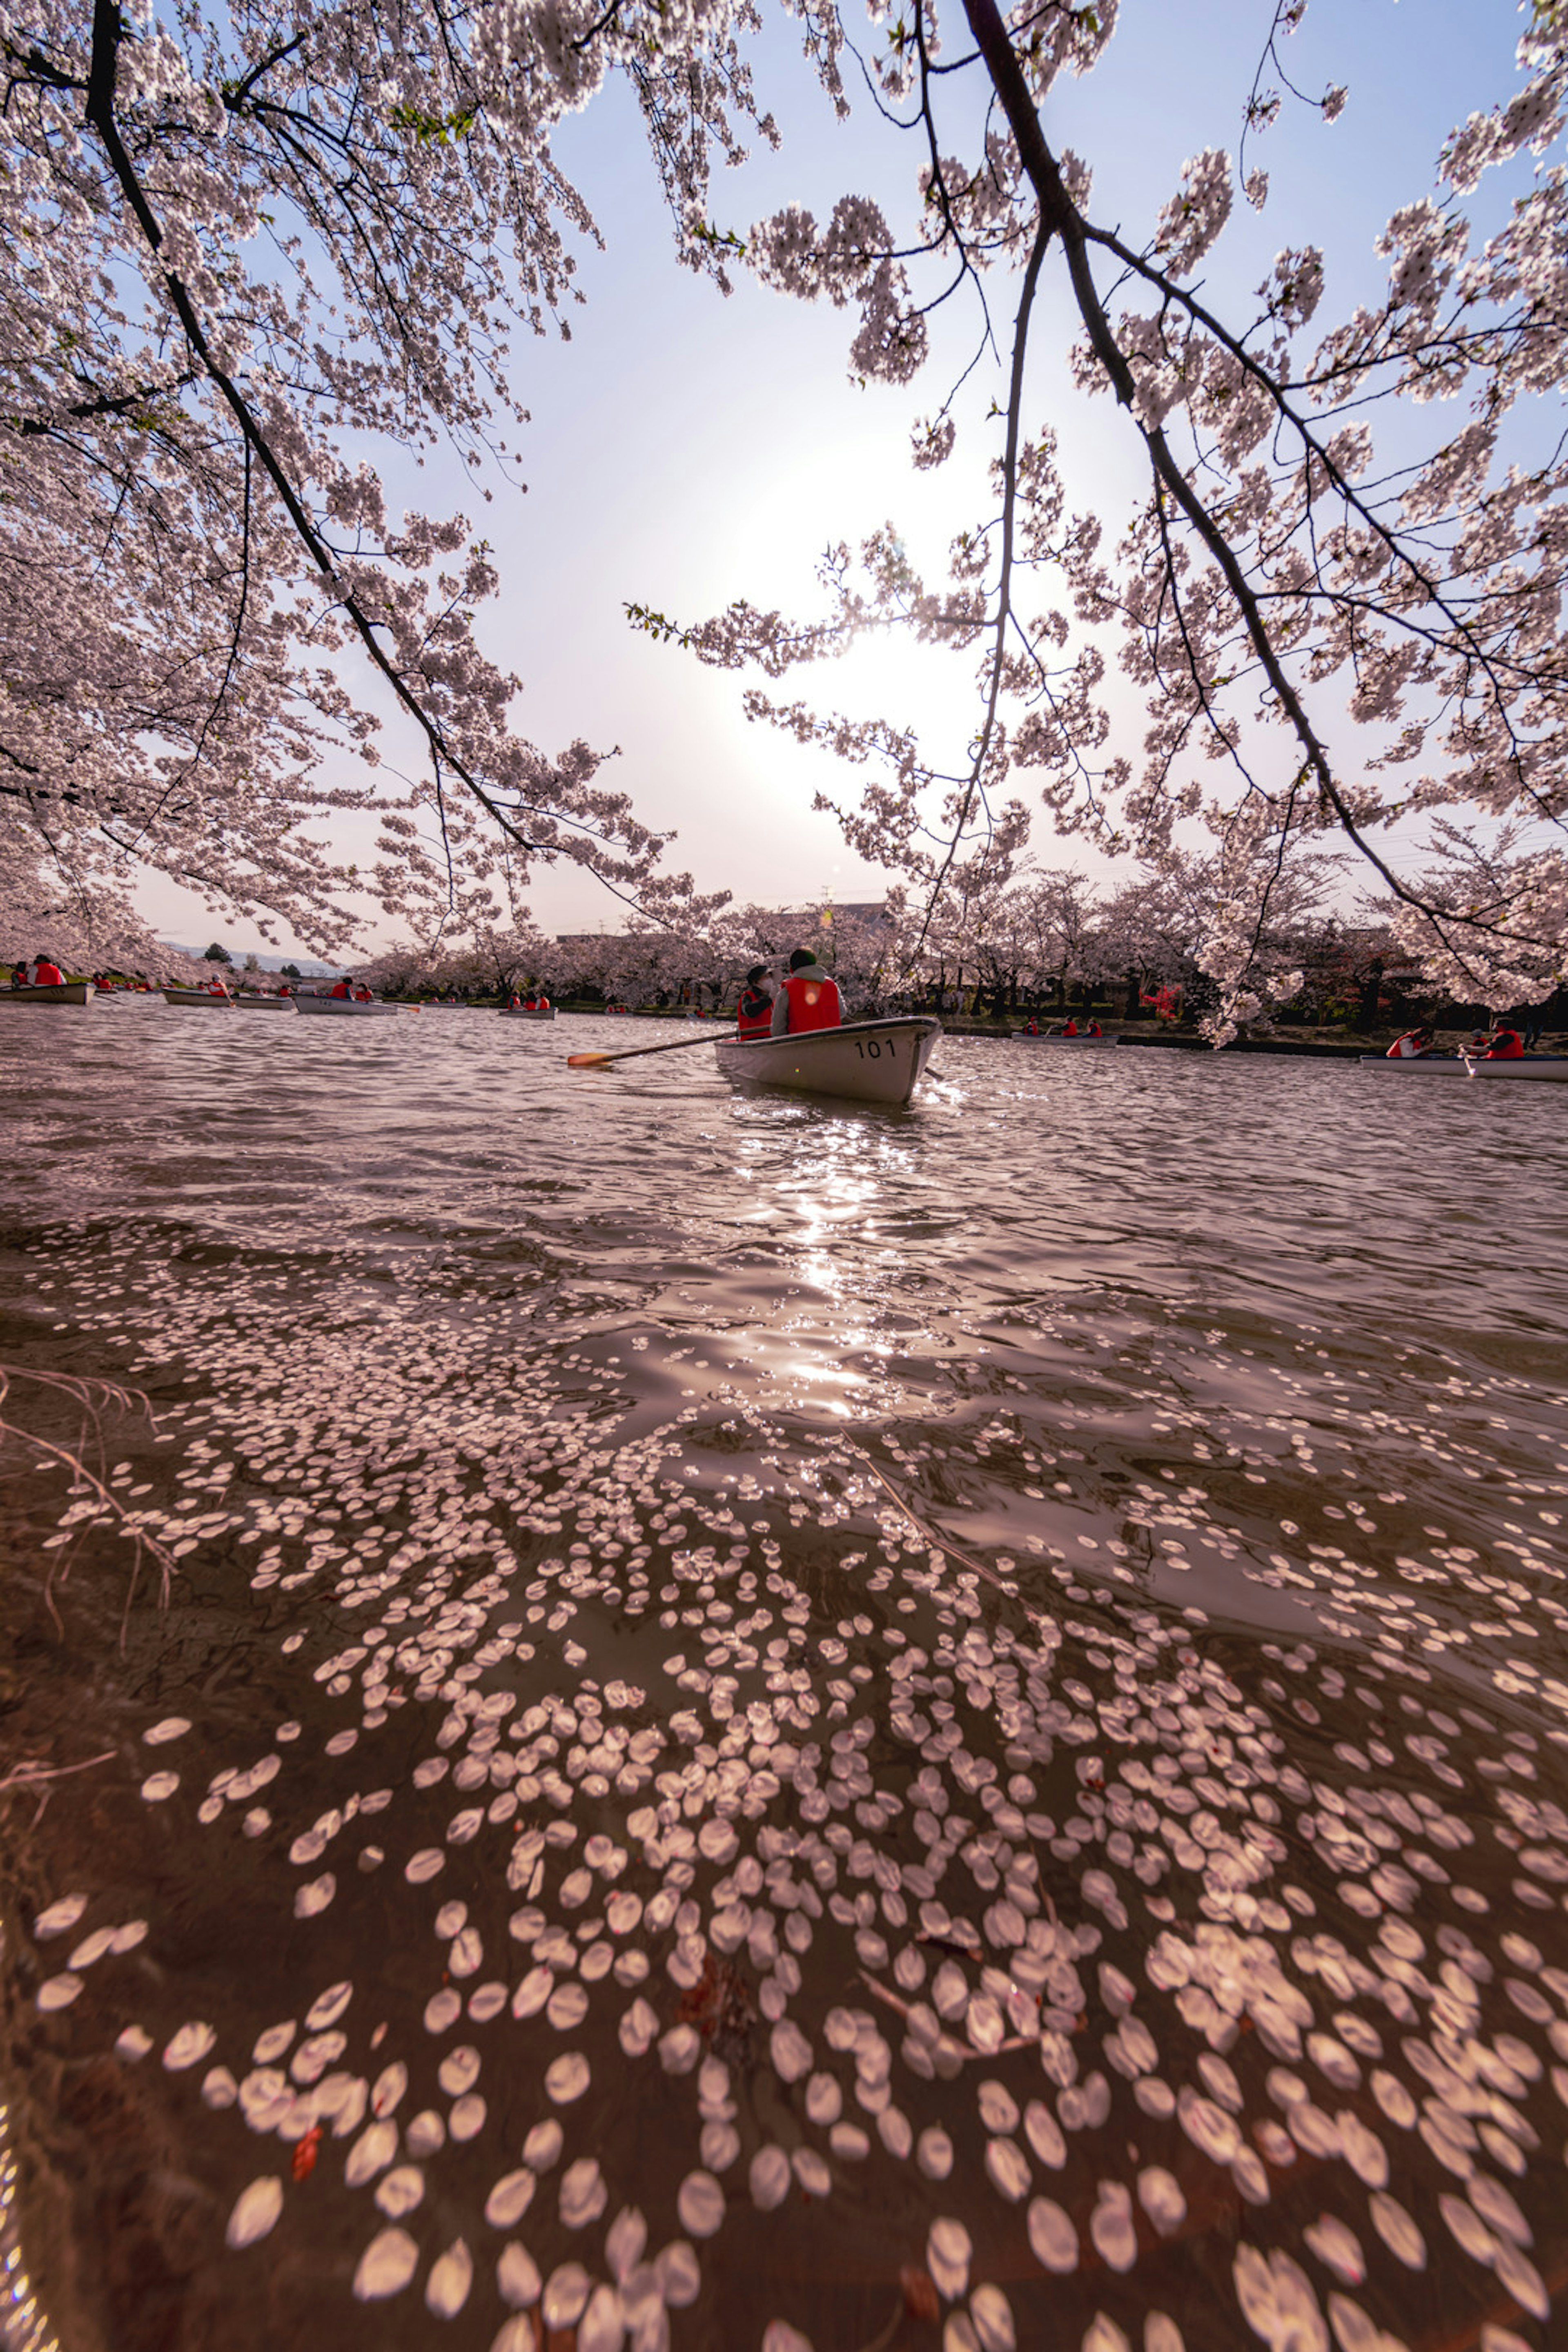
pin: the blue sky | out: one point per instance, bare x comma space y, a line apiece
685, 449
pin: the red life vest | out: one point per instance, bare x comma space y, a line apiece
1094, 1030
813, 1000
754, 1013
1069, 1029
1406, 1048
1507, 1046
47, 975
544, 1004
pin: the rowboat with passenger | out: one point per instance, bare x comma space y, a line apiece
863, 1061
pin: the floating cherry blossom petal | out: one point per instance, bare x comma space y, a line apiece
309, 1901
679, 2274
58, 1993
790, 2052
426, 2133
1008, 2169
700, 2204
565, 2297
1052, 2237
451, 2276
158, 1786
189, 2046
400, 2190
948, 2252
466, 2119
769, 2180
510, 2198
991, 2315
256, 2211
518, 2280
61, 1914
567, 2077
386, 2265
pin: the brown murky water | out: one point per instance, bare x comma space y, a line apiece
778, 1724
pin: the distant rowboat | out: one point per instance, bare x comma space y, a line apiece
205, 1000
1546, 1066
527, 1012
252, 1000
865, 1061
69, 991
351, 1005
1055, 1037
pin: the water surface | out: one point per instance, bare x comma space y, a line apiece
900, 1728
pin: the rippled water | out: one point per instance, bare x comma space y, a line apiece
894, 1728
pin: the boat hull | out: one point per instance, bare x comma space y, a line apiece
343, 1007
70, 991
1039, 1037
201, 1000
265, 1003
865, 1061
521, 1012
1541, 1067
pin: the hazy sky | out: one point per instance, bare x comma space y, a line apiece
685, 449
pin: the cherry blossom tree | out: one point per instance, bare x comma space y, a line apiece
242, 247
1292, 573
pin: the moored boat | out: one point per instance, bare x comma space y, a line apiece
205, 999
344, 1004
863, 1061
527, 1012
65, 992
1055, 1037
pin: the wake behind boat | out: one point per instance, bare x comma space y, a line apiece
863, 1061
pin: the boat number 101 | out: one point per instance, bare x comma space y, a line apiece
871, 1049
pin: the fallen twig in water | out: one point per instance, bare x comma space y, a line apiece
31, 1772
94, 1397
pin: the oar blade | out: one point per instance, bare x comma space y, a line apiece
589, 1061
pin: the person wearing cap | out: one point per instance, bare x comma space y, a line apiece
754, 1013
1503, 1044
46, 973
809, 999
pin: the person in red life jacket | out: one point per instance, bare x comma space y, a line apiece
19, 974
1093, 1029
809, 999
754, 1012
1415, 1042
543, 1004
360, 992
45, 974
531, 1002
342, 988
216, 987
1068, 1028
1031, 1027
1504, 1045
515, 1003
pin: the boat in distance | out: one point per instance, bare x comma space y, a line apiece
251, 999
353, 1005
67, 992
527, 1012
205, 999
1546, 1066
863, 1061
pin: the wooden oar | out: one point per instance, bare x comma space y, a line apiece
634, 1053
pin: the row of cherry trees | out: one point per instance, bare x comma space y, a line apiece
246, 249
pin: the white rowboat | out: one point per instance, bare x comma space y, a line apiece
205, 999
69, 991
1547, 1067
865, 1061
343, 1004
526, 1012
1044, 1037
252, 1000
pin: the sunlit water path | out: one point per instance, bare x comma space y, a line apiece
780, 1724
